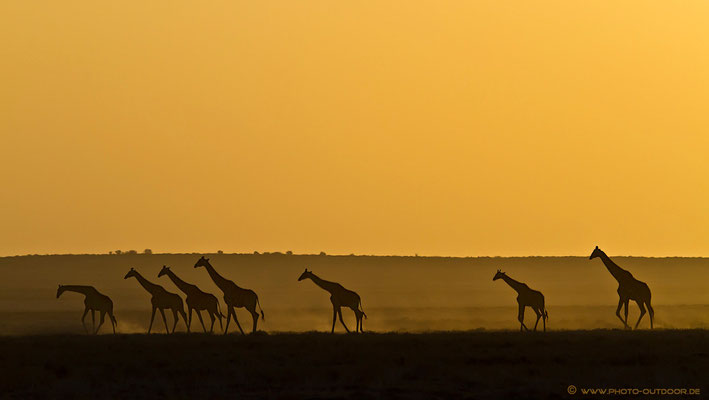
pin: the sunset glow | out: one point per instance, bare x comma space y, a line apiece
399, 127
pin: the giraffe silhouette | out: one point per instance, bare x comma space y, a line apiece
161, 299
234, 296
339, 296
629, 288
526, 297
93, 301
196, 300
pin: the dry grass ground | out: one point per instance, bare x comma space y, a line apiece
445, 365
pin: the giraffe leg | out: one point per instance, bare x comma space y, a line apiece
520, 318
357, 316
213, 315
539, 315
237, 323
651, 312
228, 318
152, 318
199, 315
189, 322
642, 312
93, 321
176, 318
254, 316
617, 312
113, 322
162, 312
219, 315
627, 301
176, 314
184, 317
83, 317
339, 314
100, 322
334, 318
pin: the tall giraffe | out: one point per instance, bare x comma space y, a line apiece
526, 297
629, 288
161, 299
93, 301
196, 300
339, 296
234, 296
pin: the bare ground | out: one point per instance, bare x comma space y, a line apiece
445, 365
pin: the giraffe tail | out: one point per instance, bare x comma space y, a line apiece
263, 317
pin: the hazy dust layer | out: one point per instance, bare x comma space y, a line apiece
398, 293
380, 320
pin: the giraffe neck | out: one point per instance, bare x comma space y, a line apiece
77, 288
219, 280
325, 285
617, 272
517, 286
146, 284
182, 285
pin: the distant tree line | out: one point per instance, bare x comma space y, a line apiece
129, 252
149, 252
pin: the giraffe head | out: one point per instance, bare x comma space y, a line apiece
202, 262
596, 253
60, 290
163, 271
498, 275
130, 273
305, 275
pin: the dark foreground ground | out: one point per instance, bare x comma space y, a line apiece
446, 365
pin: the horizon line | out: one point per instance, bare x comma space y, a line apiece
322, 254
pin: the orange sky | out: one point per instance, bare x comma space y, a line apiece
399, 127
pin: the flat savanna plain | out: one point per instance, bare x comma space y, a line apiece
445, 365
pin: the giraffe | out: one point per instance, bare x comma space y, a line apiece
526, 297
234, 296
339, 296
161, 299
629, 288
196, 300
93, 301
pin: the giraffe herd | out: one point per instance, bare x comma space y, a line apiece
235, 297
